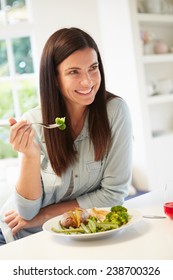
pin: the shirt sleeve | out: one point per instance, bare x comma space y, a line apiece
26, 208
117, 173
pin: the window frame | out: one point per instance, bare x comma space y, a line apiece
8, 32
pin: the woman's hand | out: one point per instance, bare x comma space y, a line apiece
22, 138
15, 222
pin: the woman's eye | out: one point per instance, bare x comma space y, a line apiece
73, 72
93, 68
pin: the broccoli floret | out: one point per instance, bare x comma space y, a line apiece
123, 218
118, 208
118, 215
111, 217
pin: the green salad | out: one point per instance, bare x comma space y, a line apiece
61, 123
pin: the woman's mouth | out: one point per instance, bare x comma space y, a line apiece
85, 92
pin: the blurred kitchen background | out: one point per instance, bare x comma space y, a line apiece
135, 38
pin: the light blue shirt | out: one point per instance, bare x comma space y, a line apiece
103, 183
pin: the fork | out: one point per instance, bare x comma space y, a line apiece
49, 126
154, 216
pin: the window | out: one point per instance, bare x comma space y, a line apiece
18, 78
13, 11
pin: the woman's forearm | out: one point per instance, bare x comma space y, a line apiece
51, 211
22, 140
29, 182
16, 222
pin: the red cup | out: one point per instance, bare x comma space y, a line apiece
168, 209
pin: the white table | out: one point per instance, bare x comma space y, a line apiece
149, 239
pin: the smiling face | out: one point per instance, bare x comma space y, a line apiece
79, 78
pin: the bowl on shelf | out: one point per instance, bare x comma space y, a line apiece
168, 209
153, 6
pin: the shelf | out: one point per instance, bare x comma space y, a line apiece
157, 110
158, 99
163, 135
155, 18
158, 58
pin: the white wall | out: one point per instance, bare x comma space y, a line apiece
109, 22
120, 69
50, 15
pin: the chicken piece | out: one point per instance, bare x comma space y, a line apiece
68, 220
74, 218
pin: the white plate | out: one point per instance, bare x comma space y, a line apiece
54, 222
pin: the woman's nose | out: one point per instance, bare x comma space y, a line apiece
86, 80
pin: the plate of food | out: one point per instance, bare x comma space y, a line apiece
81, 224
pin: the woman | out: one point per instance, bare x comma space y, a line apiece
89, 163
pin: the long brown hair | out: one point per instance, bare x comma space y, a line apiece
60, 143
